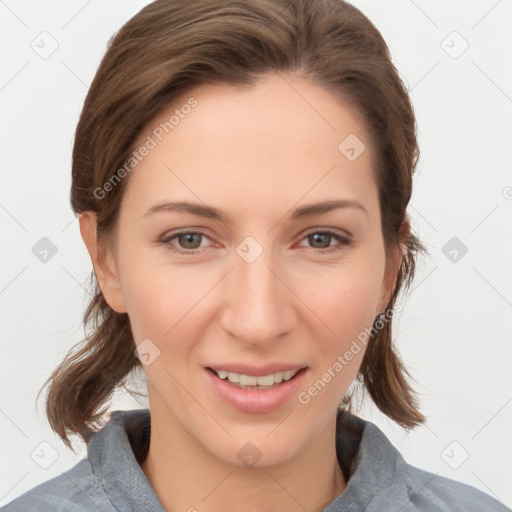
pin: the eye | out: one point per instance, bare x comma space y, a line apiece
321, 240
190, 241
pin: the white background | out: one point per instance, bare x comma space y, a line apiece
455, 331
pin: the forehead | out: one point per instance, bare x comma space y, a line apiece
278, 112
278, 140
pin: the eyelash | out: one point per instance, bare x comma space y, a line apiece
343, 241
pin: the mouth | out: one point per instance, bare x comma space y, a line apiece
257, 382
273, 387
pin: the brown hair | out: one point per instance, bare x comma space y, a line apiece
172, 45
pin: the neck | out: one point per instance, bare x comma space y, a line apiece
187, 477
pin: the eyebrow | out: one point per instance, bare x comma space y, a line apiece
214, 213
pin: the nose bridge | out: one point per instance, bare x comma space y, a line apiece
258, 305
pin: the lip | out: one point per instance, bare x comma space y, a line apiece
254, 371
256, 401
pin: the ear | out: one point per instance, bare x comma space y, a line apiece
390, 276
103, 263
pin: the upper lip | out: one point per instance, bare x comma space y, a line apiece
256, 371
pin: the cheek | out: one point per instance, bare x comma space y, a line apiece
344, 301
157, 296
346, 308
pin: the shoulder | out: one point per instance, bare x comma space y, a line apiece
379, 478
75, 490
110, 473
428, 491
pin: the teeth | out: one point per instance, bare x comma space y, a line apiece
233, 377
249, 380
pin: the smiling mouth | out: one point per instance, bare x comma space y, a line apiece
251, 382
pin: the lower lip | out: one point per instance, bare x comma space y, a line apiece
256, 400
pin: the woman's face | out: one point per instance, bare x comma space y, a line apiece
260, 286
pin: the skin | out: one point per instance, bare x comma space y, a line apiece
256, 153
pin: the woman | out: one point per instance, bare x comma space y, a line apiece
241, 173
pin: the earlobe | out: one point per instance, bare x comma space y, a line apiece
103, 263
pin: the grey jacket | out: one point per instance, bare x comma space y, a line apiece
110, 478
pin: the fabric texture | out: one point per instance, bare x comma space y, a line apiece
110, 479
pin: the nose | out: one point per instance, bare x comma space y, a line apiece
259, 304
